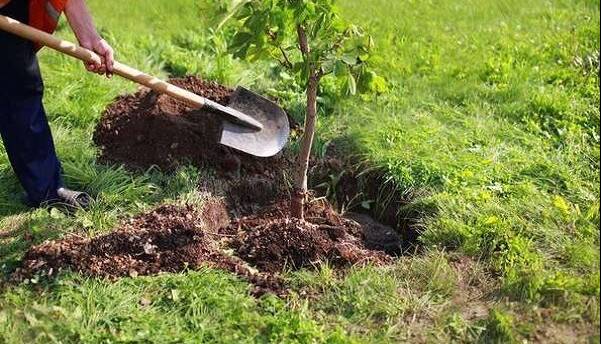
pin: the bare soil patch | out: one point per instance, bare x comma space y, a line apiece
146, 129
173, 238
170, 238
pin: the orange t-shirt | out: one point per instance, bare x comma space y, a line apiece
43, 14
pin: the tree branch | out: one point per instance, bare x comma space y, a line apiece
286, 59
302, 40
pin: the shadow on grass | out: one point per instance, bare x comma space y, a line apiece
10, 194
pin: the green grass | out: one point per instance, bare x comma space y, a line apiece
492, 116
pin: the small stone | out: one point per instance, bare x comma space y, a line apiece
144, 302
149, 248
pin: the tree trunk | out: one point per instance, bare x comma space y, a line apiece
297, 206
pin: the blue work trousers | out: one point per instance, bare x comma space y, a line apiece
23, 124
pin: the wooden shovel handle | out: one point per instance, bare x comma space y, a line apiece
25, 31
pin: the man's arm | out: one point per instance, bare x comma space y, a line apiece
82, 24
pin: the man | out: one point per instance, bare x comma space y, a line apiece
23, 125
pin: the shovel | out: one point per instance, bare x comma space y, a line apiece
253, 124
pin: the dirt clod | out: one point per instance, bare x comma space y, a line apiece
377, 236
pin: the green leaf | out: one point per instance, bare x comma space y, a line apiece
56, 214
240, 40
340, 69
370, 42
379, 85
87, 223
349, 59
298, 67
371, 82
328, 65
363, 58
304, 74
318, 26
351, 84
310, 8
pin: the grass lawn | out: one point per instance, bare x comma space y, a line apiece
490, 127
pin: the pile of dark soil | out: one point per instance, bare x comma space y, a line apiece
168, 239
148, 129
273, 241
174, 238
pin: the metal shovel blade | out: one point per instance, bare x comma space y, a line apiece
262, 143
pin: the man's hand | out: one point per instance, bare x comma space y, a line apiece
82, 24
105, 51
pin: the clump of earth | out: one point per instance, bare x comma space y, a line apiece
245, 228
272, 241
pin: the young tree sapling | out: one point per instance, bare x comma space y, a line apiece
311, 41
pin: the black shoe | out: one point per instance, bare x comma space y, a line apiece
75, 199
69, 198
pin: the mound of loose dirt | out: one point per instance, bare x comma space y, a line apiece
272, 241
174, 238
148, 129
168, 239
